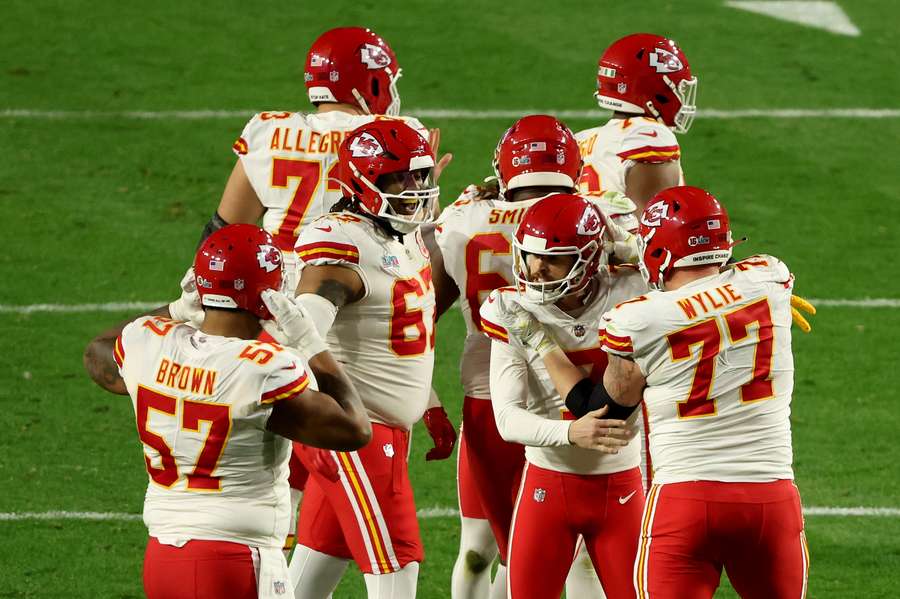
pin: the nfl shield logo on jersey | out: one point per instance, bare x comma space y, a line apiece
578, 330
279, 587
540, 495
388, 450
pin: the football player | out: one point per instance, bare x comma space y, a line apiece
581, 475
709, 351
366, 280
646, 81
215, 410
285, 172
471, 256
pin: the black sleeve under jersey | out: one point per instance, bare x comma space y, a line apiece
215, 223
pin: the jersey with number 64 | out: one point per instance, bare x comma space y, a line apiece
386, 339
717, 358
475, 237
201, 406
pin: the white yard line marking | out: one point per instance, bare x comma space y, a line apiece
446, 113
424, 513
820, 15
865, 303
107, 307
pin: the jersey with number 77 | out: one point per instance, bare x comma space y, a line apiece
717, 358
201, 406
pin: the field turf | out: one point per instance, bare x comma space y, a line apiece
104, 207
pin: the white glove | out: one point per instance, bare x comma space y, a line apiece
526, 329
620, 243
188, 307
291, 324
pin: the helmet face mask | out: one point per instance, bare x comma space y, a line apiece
389, 167
558, 225
234, 265
646, 74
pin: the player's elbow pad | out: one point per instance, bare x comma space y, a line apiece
322, 311
586, 397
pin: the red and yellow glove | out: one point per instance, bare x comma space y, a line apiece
797, 304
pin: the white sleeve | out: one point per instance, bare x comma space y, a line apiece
509, 397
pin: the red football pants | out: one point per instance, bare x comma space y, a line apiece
552, 509
493, 469
691, 530
199, 570
369, 515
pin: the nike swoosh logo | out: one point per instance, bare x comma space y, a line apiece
326, 229
291, 367
624, 500
653, 134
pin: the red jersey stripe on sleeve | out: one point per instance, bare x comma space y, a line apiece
494, 331
616, 343
119, 352
652, 154
328, 250
288, 391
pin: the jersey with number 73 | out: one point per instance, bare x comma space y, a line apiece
717, 358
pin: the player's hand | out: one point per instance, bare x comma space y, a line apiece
797, 304
188, 307
323, 463
291, 324
442, 433
592, 431
526, 329
618, 241
434, 140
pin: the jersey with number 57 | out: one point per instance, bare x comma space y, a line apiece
201, 404
385, 340
291, 161
609, 151
717, 358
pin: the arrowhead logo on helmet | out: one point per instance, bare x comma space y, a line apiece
365, 145
664, 61
589, 224
655, 214
374, 57
269, 257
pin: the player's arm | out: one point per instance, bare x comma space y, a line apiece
646, 179
98, 355
239, 203
509, 393
331, 418
445, 289
325, 289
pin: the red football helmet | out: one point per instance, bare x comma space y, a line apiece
383, 153
560, 224
682, 226
235, 265
538, 150
355, 66
648, 74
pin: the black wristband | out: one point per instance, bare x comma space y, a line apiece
586, 397
215, 223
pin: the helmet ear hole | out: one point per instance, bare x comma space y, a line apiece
656, 253
661, 99
640, 54
375, 87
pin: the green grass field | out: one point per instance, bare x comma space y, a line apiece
104, 207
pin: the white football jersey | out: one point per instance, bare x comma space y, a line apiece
717, 358
201, 404
519, 378
610, 150
291, 160
386, 339
475, 237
